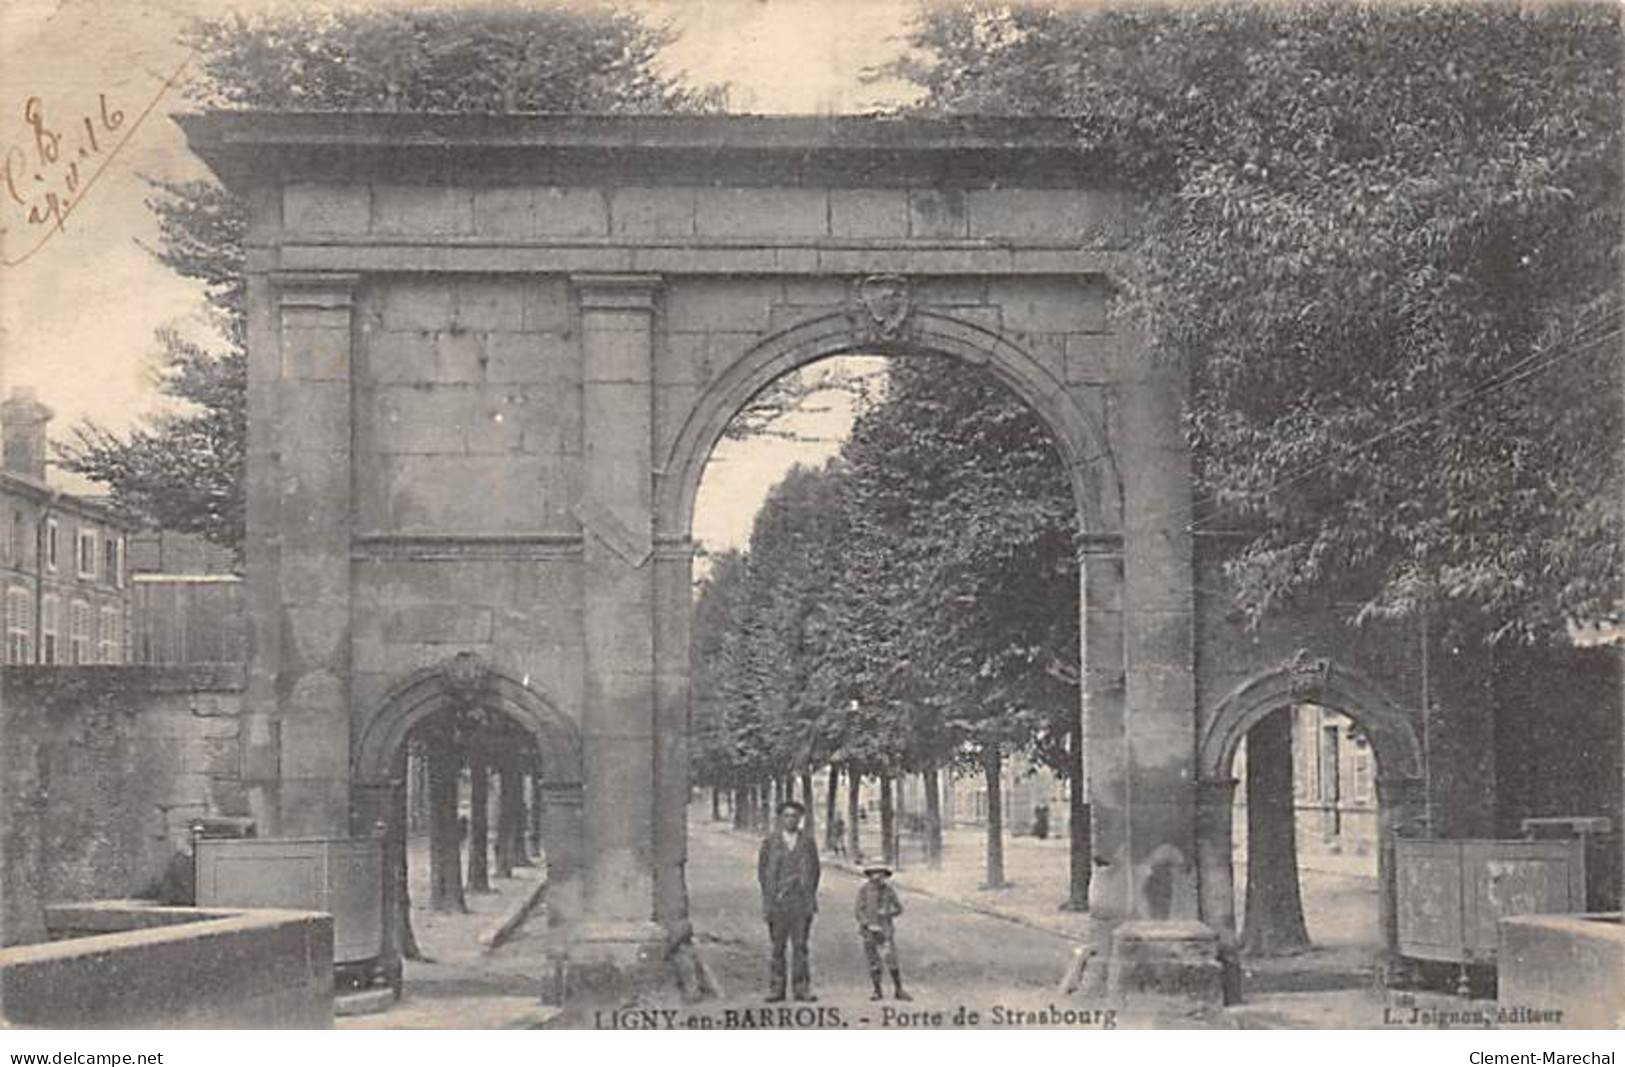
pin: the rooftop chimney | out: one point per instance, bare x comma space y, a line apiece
22, 423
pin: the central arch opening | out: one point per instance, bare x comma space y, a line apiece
886, 631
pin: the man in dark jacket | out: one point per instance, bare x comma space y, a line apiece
787, 868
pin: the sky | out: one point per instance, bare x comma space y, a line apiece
78, 311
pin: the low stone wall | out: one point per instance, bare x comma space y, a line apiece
101, 771
1569, 963
135, 965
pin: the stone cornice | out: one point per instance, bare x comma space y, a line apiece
255, 148
842, 257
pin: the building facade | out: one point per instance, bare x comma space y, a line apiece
1334, 786
62, 557
186, 601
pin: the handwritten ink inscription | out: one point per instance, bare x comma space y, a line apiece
44, 177
58, 155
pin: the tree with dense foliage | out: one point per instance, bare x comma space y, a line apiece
1385, 240
912, 606
183, 468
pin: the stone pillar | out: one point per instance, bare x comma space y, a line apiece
618, 728
1401, 811
262, 551
1104, 755
559, 806
674, 576
300, 479
1158, 604
379, 809
1215, 853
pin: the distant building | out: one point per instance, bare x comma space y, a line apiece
1024, 786
62, 557
186, 601
1334, 785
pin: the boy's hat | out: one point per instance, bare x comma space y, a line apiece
792, 805
877, 867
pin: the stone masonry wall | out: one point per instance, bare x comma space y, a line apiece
103, 769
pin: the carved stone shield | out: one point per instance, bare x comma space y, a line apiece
467, 677
1306, 676
880, 307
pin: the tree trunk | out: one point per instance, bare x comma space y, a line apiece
741, 806
765, 813
507, 821
514, 776
807, 799
537, 847
400, 899
991, 761
1274, 914
1081, 851
888, 822
854, 782
933, 816
479, 826
445, 835
829, 807
716, 804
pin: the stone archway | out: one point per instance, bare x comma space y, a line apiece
378, 778
490, 354
1118, 888
1078, 436
1306, 680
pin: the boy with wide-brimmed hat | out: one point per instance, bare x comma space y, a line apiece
877, 910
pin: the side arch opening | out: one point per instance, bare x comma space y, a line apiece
1382, 722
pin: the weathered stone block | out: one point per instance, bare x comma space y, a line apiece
951, 292
548, 307
815, 292
765, 212
681, 358
399, 356
1177, 961
445, 623
459, 357
617, 348
1563, 969
450, 494
527, 358
1091, 357
1048, 305
498, 421
313, 414
1053, 214
673, 403
316, 729
937, 213
489, 304
316, 354
740, 305
528, 211
317, 208
416, 304
422, 209
652, 212
1161, 638
417, 419
868, 212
